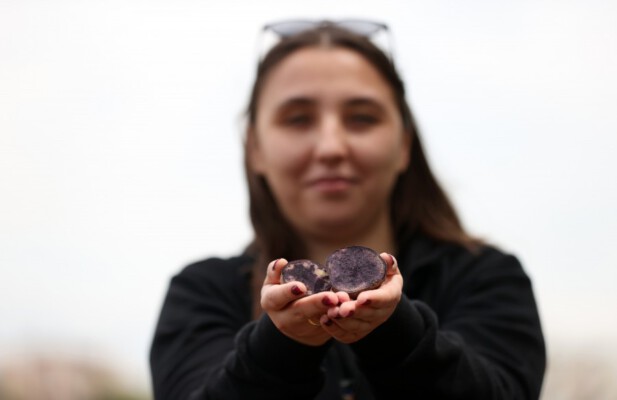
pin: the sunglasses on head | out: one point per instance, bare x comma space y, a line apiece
377, 32
360, 27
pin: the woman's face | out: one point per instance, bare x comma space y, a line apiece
329, 140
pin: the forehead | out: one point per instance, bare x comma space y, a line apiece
324, 73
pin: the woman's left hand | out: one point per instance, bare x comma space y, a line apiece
354, 319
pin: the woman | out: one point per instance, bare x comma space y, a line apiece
333, 159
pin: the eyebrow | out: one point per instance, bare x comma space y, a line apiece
296, 101
353, 102
364, 101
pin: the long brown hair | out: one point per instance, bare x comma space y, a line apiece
418, 203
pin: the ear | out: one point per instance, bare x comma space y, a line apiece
255, 156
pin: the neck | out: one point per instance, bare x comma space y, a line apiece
378, 237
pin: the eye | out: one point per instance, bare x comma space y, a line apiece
361, 120
297, 120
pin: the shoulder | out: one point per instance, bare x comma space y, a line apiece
449, 277
205, 290
490, 264
218, 267
215, 283
446, 266
215, 275
424, 252
485, 258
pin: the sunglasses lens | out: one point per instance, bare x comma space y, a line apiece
290, 28
363, 28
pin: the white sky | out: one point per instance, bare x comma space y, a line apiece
120, 151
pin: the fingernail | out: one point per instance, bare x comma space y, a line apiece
329, 322
296, 290
274, 265
392, 259
327, 302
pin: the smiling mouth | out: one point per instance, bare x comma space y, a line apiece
332, 185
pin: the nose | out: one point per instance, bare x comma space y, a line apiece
332, 144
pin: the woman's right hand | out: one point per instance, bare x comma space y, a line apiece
294, 313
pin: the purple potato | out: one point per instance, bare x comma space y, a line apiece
313, 275
355, 269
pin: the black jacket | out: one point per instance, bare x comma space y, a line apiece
467, 328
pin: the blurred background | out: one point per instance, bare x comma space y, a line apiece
120, 162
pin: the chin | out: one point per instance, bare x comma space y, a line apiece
335, 224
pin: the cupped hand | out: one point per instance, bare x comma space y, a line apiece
352, 320
294, 313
